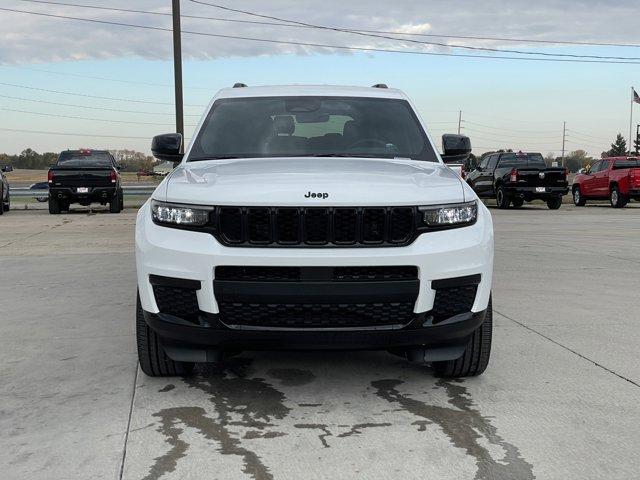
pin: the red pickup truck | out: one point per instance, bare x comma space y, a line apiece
615, 178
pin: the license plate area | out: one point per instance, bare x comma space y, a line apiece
82, 190
541, 189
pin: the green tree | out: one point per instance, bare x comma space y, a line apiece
576, 160
618, 148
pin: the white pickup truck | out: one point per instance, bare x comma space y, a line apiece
313, 217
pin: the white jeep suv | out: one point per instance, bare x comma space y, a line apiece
313, 217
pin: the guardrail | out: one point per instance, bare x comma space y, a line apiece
27, 192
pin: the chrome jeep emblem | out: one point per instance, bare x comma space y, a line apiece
322, 195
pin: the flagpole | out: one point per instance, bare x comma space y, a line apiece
631, 119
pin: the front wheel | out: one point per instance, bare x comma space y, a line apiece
616, 198
502, 201
475, 358
578, 199
154, 362
554, 203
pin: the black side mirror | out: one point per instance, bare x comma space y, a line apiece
455, 148
479, 168
7, 168
167, 147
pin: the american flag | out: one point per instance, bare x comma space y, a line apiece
636, 97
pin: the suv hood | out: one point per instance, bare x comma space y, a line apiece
290, 181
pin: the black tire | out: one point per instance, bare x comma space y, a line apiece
54, 206
114, 204
517, 202
121, 196
475, 358
616, 199
578, 199
502, 200
154, 362
554, 203
5, 206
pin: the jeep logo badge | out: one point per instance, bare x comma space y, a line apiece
322, 195
541, 175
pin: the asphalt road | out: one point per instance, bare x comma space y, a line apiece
560, 399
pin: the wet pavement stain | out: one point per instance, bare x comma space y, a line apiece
292, 377
464, 425
251, 434
317, 426
358, 427
233, 394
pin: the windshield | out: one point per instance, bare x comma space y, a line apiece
311, 126
533, 160
84, 159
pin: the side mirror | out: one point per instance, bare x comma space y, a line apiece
167, 147
118, 167
582, 170
455, 148
7, 168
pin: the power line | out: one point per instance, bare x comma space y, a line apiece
413, 34
42, 132
587, 135
88, 118
130, 100
94, 77
421, 42
524, 136
508, 129
89, 107
323, 45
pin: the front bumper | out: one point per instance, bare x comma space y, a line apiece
438, 255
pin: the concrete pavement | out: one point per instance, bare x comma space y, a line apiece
560, 399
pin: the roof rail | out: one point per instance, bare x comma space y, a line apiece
239, 85
379, 85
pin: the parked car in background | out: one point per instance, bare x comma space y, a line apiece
85, 177
41, 186
5, 197
614, 178
515, 178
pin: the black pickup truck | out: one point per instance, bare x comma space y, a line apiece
84, 177
515, 178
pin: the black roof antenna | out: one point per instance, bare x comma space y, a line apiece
380, 85
239, 85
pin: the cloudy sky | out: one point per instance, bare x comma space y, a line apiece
505, 103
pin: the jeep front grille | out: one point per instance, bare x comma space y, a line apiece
315, 227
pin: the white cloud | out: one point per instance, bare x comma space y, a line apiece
31, 39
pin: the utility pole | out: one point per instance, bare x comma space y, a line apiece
459, 120
631, 118
564, 139
637, 139
177, 70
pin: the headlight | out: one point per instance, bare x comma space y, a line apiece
173, 214
458, 214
